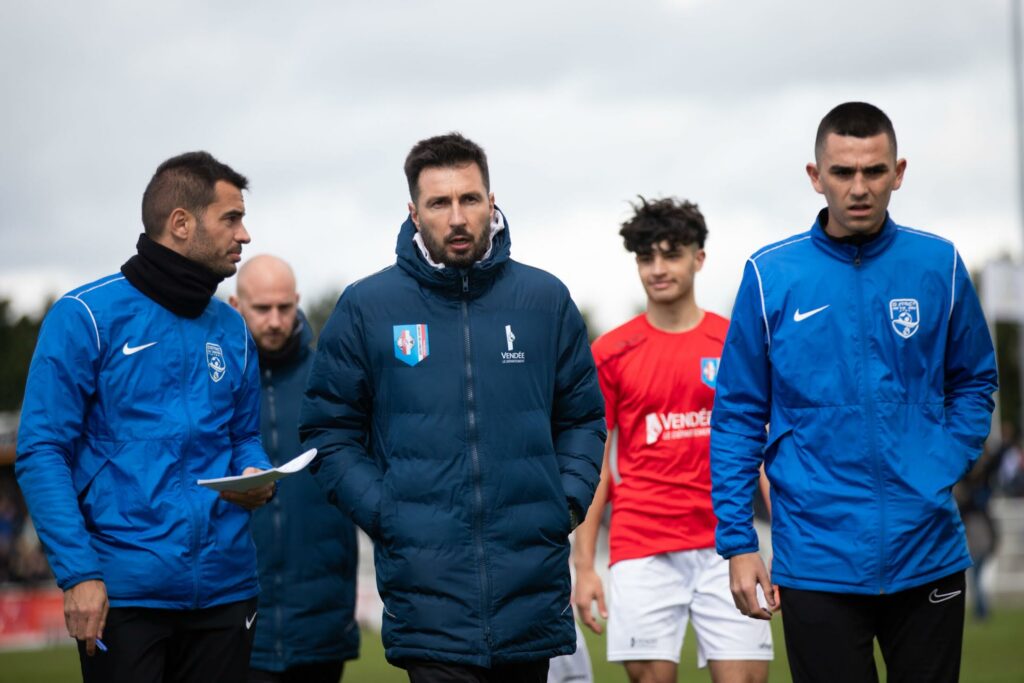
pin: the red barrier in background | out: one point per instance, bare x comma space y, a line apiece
31, 617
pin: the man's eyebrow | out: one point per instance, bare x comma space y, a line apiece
233, 213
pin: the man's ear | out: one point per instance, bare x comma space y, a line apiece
233, 301
179, 224
698, 259
815, 175
414, 216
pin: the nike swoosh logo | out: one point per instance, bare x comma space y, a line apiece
798, 316
936, 597
129, 350
249, 620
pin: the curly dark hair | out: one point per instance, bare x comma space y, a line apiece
678, 222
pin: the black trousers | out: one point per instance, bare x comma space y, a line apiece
319, 672
436, 672
830, 636
173, 646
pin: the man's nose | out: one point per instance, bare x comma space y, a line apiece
458, 216
274, 319
859, 187
242, 235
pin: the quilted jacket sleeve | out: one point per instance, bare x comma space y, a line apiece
970, 372
577, 420
61, 383
335, 419
742, 408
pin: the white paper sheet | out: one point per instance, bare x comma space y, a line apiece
244, 482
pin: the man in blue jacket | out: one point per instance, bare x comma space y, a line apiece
306, 547
862, 343
142, 383
457, 411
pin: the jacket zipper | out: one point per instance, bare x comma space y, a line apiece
872, 422
474, 452
184, 469
275, 515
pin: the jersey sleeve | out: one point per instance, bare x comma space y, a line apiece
741, 411
609, 385
61, 384
970, 370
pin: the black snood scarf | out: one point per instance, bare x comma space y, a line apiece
180, 285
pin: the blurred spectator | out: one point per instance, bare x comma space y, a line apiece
21, 556
972, 495
1009, 460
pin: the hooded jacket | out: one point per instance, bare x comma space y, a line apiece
306, 547
126, 406
874, 367
458, 417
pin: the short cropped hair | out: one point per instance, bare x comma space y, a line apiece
678, 222
187, 182
443, 151
857, 119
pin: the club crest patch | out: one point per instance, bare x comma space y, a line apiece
709, 371
411, 343
905, 315
215, 362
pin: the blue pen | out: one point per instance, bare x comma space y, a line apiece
100, 645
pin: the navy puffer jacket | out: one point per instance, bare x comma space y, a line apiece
306, 547
458, 416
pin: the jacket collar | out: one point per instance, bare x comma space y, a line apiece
414, 260
847, 251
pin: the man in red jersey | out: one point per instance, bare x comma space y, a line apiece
658, 375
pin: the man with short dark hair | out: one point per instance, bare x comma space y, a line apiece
658, 374
306, 547
457, 413
862, 343
142, 383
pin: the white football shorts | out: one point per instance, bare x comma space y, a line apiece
652, 598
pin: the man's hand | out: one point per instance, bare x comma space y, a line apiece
588, 589
746, 573
253, 498
85, 612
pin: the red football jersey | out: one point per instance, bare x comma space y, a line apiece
659, 388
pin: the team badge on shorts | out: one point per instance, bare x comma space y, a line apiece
905, 315
215, 362
411, 343
709, 371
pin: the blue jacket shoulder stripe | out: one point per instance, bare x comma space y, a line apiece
78, 297
952, 285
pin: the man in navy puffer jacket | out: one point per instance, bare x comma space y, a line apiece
459, 420
306, 547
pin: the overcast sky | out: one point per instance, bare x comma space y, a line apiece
580, 105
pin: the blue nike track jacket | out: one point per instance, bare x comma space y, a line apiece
126, 406
875, 369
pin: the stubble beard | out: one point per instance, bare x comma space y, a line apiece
439, 254
204, 252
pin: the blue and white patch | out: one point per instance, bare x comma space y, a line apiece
905, 315
709, 371
411, 343
215, 361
